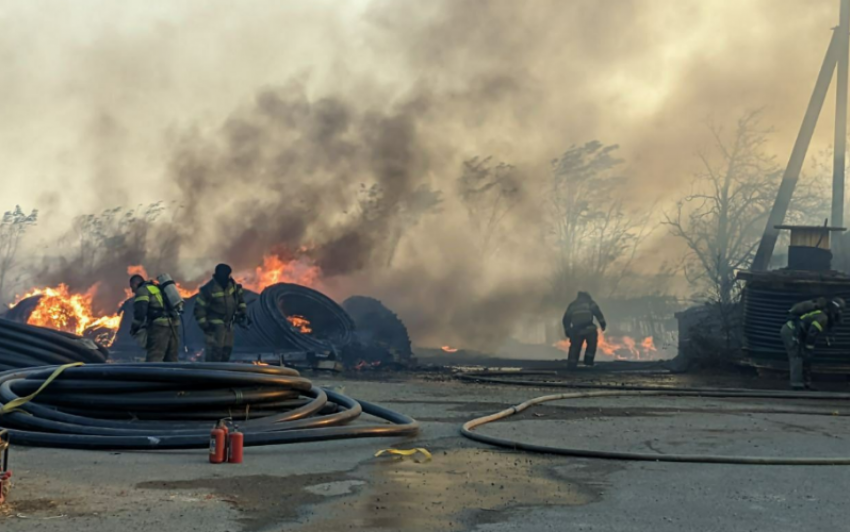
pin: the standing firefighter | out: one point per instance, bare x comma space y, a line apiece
153, 318
220, 304
800, 334
580, 329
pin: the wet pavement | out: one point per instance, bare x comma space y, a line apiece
340, 485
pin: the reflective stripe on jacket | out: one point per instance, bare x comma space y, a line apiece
218, 305
809, 326
148, 305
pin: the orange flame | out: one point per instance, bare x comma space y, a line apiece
448, 349
301, 323
137, 269
276, 270
363, 365
61, 310
622, 348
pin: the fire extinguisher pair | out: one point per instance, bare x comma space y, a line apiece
225, 446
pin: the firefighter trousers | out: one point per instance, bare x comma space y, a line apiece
163, 342
578, 339
218, 343
798, 359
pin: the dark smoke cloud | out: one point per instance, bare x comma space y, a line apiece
357, 157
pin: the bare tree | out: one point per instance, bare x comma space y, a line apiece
722, 219
14, 225
100, 234
394, 217
489, 192
595, 238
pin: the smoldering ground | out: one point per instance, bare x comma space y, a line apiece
340, 134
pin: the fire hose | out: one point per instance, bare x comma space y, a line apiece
173, 406
23, 345
468, 428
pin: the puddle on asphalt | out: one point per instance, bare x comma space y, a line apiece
451, 492
334, 489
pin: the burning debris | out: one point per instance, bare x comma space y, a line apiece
60, 309
619, 347
448, 349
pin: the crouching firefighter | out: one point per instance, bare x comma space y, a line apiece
220, 304
580, 329
809, 319
155, 325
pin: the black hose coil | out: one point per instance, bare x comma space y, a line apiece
331, 327
172, 406
23, 346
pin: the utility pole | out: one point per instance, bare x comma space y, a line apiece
839, 162
798, 155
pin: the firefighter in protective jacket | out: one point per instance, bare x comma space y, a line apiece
160, 323
809, 319
580, 329
220, 304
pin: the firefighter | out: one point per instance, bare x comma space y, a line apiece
220, 304
580, 329
160, 324
800, 334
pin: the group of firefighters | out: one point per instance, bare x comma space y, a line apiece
219, 306
807, 322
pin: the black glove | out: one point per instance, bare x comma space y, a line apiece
134, 328
603, 326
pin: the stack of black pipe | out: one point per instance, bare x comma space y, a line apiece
23, 346
331, 327
174, 406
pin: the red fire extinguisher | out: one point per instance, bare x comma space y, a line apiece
5, 474
234, 448
218, 443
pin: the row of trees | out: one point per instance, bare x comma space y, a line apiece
594, 233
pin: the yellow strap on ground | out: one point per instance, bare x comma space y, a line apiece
404, 452
11, 406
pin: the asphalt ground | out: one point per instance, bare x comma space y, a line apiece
333, 486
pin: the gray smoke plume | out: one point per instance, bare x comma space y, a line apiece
341, 133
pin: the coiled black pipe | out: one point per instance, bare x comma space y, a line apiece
170, 406
331, 327
23, 345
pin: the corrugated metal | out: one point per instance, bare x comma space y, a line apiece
766, 311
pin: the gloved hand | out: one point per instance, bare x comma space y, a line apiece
134, 328
603, 326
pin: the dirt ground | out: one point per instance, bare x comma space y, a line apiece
332, 486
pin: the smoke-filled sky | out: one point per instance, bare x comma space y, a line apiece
265, 119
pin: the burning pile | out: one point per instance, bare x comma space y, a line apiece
276, 270
619, 348
60, 309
